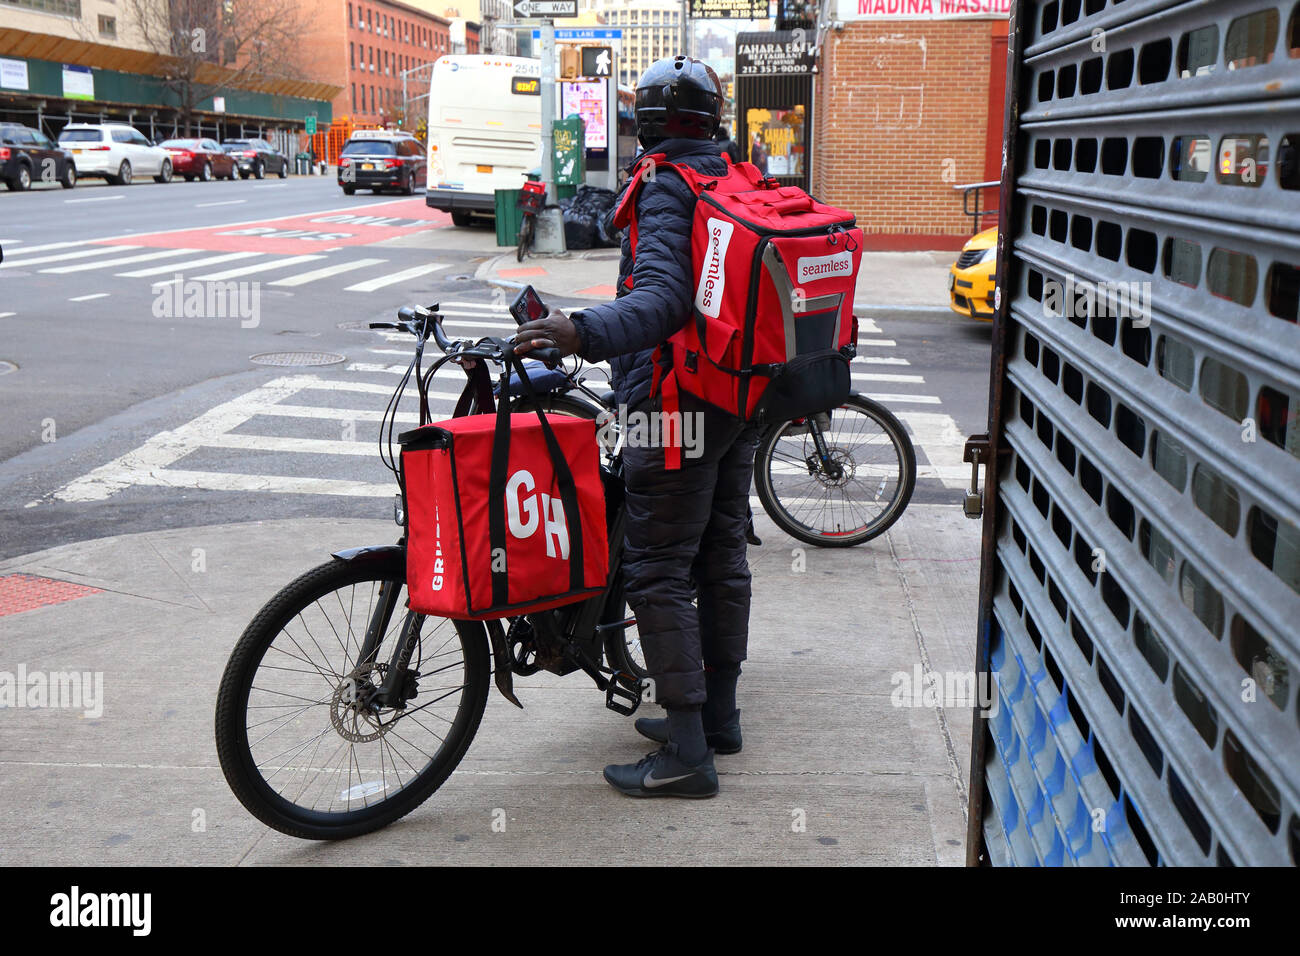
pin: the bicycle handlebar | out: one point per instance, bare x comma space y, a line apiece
416, 321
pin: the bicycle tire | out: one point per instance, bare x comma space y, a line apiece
525, 238
247, 782
893, 509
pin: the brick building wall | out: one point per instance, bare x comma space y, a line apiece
364, 45
901, 116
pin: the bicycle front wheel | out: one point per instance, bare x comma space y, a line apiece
300, 747
851, 489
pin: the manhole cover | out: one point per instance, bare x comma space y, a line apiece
7, 367
297, 358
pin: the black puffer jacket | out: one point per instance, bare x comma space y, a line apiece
627, 330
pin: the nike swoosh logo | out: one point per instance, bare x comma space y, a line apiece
651, 783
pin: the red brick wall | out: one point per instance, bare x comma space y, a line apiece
337, 46
901, 116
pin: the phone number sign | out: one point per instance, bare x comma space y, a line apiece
767, 54
729, 9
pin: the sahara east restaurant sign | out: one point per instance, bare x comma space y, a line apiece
922, 9
780, 52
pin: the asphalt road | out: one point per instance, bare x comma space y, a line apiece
128, 407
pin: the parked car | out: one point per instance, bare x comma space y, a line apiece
973, 277
115, 152
256, 158
200, 159
379, 160
27, 156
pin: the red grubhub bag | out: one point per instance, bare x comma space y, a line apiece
505, 514
772, 329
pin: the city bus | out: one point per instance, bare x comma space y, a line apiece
485, 123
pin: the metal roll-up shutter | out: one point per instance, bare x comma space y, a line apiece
1140, 594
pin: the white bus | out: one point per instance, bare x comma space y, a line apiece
485, 123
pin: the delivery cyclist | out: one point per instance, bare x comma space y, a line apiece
686, 527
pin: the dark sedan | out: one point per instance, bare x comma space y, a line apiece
199, 159
28, 156
256, 158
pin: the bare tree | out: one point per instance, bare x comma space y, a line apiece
212, 46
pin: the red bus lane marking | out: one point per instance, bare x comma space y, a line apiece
304, 233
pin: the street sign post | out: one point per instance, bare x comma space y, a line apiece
546, 8
311, 125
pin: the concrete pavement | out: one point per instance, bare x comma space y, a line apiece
824, 743
896, 281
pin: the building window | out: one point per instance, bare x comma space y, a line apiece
354, 105
352, 59
354, 97
108, 26
64, 8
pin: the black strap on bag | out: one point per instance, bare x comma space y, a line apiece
479, 385
497, 491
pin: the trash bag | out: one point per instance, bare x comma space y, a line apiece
596, 204
579, 230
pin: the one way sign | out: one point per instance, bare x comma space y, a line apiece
596, 60
546, 8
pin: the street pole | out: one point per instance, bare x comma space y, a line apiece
548, 106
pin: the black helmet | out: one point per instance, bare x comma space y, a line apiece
678, 97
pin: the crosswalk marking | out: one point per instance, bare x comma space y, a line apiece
192, 264
62, 256
258, 267
149, 256
898, 398
326, 271
47, 247
87, 298
277, 420
370, 285
886, 377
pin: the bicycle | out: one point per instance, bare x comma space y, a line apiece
306, 777
531, 201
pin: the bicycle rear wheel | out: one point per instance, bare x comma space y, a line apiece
856, 493
297, 745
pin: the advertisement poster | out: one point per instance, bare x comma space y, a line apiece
78, 83
13, 74
588, 101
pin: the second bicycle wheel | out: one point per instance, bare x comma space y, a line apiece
849, 495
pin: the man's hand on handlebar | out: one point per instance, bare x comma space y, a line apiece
555, 331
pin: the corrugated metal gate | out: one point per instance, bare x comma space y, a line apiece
1140, 594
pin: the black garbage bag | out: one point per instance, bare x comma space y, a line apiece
579, 230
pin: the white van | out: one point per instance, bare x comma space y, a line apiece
485, 130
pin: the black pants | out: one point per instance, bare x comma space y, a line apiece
689, 526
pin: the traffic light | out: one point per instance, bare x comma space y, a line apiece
570, 62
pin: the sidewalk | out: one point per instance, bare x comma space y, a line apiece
887, 281
140, 784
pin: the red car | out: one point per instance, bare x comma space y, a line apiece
199, 159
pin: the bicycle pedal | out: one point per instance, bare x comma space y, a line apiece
623, 693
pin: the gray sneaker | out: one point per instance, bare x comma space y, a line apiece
663, 774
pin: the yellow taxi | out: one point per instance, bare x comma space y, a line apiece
972, 278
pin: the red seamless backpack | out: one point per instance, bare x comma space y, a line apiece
772, 330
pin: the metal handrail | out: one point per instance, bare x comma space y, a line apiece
976, 214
